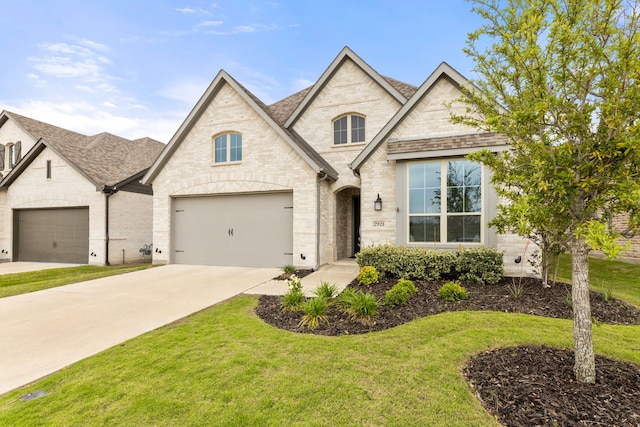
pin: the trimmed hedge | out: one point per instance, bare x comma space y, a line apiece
483, 265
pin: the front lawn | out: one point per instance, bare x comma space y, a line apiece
21, 283
621, 277
224, 366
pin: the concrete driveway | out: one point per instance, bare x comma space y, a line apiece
42, 332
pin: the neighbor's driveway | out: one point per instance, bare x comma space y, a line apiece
42, 332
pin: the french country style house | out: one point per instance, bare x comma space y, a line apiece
71, 198
357, 159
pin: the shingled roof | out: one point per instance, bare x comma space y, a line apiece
282, 109
105, 159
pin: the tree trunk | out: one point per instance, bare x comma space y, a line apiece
584, 367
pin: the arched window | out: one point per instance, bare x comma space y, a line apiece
349, 129
227, 148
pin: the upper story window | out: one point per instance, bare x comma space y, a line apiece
227, 148
445, 201
11, 155
348, 129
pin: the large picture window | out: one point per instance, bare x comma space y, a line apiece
445, 201
227, 148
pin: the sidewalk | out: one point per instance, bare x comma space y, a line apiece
339, 273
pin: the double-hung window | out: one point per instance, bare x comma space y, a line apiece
227, 148
445, 201
348, 129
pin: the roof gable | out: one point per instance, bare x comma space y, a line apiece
103, 159
444, 70
304, 150
393, 87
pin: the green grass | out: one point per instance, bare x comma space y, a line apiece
623, 278
224, 366
21, 283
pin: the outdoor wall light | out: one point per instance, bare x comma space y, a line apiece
377, 205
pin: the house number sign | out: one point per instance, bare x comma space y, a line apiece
378, 223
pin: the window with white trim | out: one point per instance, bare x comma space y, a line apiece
11, 155
348, 129
227, 148
445, 201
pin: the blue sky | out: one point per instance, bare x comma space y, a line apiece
136, 67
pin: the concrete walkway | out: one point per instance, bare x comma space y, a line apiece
339, 273
42, 332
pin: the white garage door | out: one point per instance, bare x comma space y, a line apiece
251, 230
52, 235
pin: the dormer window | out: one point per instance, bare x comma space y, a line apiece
227, 148
348, 129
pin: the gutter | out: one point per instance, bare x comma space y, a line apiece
108, 191
318, 216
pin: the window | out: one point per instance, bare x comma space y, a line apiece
227, 148
48, 169
349, 128
454, 218
12, 155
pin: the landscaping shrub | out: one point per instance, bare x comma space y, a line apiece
288, 269
368, 275
400, 293
345, 299
326, 290
362, 307
481, 265
293, 299
452, 291
315, 311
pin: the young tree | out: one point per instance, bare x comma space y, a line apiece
561, 80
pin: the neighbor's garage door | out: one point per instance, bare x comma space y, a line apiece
252, 230
52, 235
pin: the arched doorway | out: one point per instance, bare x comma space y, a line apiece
347, 222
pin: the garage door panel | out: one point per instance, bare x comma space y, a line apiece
52, 235
242, 230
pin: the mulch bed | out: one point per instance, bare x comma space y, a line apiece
521, 386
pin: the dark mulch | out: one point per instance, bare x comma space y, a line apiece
536, 300
523, 386
299, 273
527, 386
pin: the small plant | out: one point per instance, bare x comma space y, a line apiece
516, 289
452, 291
326, 290
315, 312
288, 269
362, 307
568, 299
368, 275
400, 293
606, 291
293, 299
345, 299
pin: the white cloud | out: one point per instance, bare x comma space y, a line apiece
187, 91
90, 119
64, 60
299, 84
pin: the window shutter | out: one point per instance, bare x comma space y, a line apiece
1, 157
18, 152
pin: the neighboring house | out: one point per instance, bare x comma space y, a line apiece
357, 159
68, 197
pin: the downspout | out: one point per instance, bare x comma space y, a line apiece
318, 216
108, 191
